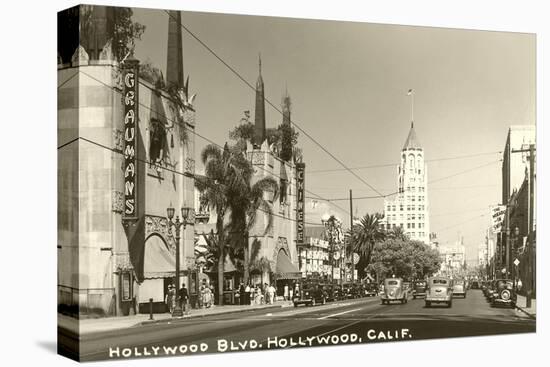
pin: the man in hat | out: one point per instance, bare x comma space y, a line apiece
182, 296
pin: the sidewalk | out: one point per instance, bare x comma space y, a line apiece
88, 326
521, 305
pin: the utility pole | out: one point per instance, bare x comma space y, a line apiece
531, 256
351, 234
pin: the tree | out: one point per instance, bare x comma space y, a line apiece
223, 177
405, 259
245, 205
88, 24
363, 237
397, 233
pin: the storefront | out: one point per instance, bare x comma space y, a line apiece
285, 273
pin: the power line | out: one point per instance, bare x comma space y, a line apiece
466, 171
429, 182
395, 164
182, 125
273, 105
67, 80
317, 196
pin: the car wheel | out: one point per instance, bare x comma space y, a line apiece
449, 305
428, 304
414, 297
295, 304
312, 302
324, 301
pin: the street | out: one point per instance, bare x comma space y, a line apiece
362, 320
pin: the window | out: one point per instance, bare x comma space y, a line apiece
408, 225
412, 225
413, 198
393, 207
413, 216
388, 226
408, 217
282, 195
401, 207
389, 207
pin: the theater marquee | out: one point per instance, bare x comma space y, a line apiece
131, 103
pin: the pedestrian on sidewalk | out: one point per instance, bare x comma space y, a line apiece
270, 294
248, 292
183, 297
170, 298
242, 300
207, 297
285, 292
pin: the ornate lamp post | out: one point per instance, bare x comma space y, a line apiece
178, 312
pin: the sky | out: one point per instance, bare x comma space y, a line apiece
348, 83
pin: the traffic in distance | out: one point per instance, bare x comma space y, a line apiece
436, 291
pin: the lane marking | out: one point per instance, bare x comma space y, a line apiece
337, 314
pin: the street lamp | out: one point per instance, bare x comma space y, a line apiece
170, 211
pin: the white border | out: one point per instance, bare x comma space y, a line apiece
28, 184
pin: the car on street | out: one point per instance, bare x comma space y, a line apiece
504, 293
311, 295
350, 290
394, 290
419, 288
474, 284
440, 290
371, 289
459, 288
332, 292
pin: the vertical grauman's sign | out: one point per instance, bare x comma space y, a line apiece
300, 202
130, 100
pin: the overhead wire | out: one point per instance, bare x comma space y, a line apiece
239, 76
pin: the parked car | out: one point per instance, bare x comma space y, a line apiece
459, 288
332, 292
371, 289
311, 295
419, 288
349, 290
504, 293
440, 290
394, 290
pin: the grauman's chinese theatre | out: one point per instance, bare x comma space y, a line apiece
126, 154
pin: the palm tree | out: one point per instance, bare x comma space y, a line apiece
224, 172
245, 205
365, 235
397, 233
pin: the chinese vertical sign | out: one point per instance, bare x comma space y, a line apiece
300, 202
130, 100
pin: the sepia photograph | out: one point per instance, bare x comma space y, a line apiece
244, 183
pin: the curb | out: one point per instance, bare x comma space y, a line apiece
196, 316
533, 316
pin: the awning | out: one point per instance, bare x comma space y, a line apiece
158, 261
285, 269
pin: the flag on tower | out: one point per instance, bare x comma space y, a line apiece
410, 92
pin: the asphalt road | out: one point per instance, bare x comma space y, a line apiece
345, 322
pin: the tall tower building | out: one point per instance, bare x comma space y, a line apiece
259, 116
410, 208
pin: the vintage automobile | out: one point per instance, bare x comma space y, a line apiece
490, 290
474, 284
310, 295
394, 290
459, 288
504, 293
333, 292
371, 289
419, 288
352, 290
440, 290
